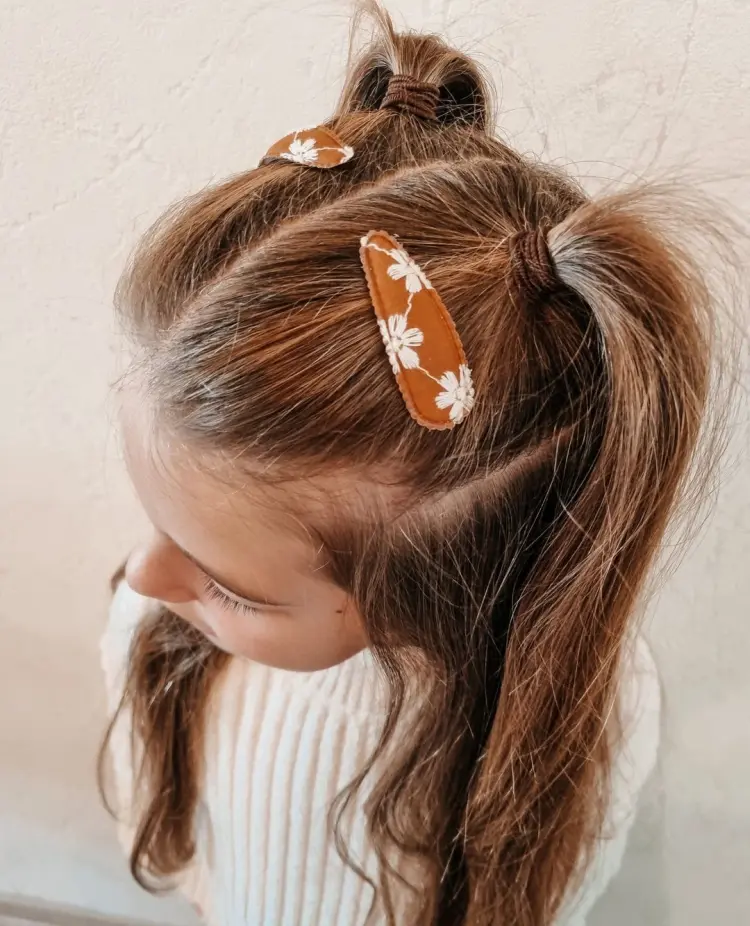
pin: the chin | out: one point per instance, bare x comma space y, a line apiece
295, 662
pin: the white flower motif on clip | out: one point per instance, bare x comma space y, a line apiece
400, 342
458, 393
301, 152
405, 269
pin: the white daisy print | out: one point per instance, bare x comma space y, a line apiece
405, 269
458, 393
400, 342
301, 152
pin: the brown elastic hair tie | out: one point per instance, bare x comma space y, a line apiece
407, 94
531, 265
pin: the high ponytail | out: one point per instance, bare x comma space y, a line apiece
538, 803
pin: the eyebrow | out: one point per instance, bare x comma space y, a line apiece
249, 596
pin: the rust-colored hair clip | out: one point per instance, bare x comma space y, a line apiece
316, 147
420, 338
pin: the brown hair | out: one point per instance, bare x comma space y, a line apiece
509, 580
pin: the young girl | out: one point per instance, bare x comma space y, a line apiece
410, 414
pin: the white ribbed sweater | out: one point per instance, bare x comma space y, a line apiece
279, 747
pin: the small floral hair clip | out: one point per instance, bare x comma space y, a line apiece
316, 147
420, 338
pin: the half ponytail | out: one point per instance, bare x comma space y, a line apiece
499, 563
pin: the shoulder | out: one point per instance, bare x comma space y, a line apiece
636, 737
639, 728
634, 759
126, 610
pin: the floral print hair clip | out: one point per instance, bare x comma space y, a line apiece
420, 338
317, 147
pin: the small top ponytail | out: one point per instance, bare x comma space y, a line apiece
464, 95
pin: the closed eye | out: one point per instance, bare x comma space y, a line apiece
213, 592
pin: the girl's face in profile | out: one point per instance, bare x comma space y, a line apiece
242, 570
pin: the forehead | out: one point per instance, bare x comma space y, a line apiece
217, 511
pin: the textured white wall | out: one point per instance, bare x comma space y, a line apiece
108, 111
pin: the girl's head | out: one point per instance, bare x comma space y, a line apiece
300, 513
234, 553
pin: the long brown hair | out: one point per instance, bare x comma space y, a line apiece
507, 581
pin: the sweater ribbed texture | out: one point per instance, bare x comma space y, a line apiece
279, 747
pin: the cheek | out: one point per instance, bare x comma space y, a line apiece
302, 642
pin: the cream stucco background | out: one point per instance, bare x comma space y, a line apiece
109, 111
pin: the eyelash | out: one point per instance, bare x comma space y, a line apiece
230, 604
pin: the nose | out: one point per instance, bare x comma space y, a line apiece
158, 569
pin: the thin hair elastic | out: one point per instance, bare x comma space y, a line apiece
407, 94
532, 268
